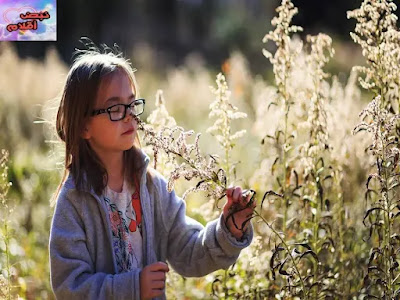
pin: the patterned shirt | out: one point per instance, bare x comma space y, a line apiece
125, 215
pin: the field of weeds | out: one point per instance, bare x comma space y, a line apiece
318, 151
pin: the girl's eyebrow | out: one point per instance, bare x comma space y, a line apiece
118, 99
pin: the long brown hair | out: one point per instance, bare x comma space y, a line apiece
88, 71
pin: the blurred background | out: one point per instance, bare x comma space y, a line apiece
178, 46
174, 29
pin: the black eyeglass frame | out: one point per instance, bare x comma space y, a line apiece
97, 112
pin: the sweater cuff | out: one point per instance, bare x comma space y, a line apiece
228, 242
122, 283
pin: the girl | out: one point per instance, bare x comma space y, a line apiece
115, 225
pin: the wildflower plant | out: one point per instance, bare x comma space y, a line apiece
225, 113
286, 257
323, 213
308, 197
5, 277
283, 61
160, 123
188, 161
284, 56
159, 118
383, 276
377, 34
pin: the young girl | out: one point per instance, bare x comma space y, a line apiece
115, 225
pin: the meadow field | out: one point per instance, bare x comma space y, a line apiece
316, 137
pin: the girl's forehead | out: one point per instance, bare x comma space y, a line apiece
116, 84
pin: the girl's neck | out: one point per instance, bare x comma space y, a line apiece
115, 170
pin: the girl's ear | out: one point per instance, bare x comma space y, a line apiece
85, 134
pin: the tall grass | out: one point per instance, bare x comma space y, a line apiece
377, 34
6, 281
324, 228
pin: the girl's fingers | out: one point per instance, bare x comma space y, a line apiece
246, 198
159, 276
247, 212
158, 266
159, 284
229, 191
237, 195
156, 293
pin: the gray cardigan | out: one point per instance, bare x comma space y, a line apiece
82, 263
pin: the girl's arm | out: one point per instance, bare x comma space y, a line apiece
195, 250
72, 271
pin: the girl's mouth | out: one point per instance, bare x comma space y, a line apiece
129, 131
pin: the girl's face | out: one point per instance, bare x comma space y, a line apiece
106, 136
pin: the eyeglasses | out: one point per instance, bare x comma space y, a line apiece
118, 111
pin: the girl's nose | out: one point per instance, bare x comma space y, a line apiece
129, 114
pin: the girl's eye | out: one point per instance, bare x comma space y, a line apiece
117, 108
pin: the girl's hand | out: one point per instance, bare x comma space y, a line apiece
152, 280
236, 204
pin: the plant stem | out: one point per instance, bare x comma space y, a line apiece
386, 208
7, 242
288, 251
285, 200
317, 219
387, 245
341, 242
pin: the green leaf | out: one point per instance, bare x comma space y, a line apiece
274, 165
